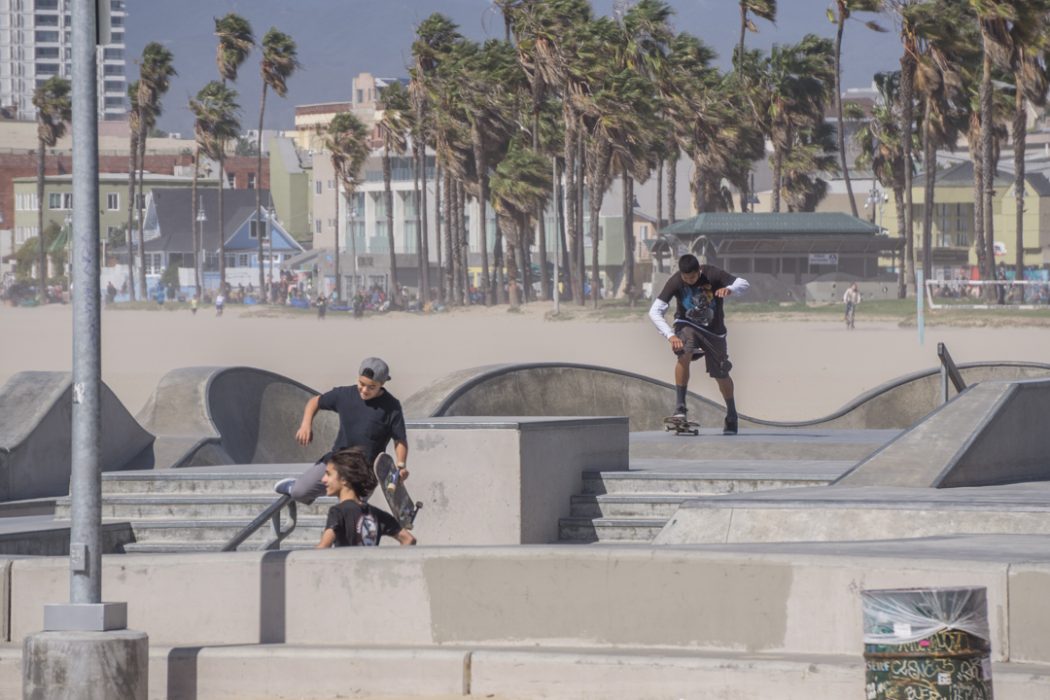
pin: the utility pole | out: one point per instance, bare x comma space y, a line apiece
85, 647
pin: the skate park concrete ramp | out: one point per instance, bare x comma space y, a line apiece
36, 411
559, 389
978, 465
206, 416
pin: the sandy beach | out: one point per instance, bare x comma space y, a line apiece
783, 369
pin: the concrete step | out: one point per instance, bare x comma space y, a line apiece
840, 513
186, 506
203, 546
580, 530
762, 443
667, 476
626, 505
249, 479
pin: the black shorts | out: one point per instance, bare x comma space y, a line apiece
711, 347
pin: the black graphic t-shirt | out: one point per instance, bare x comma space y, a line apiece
697, 304
360, 525
369, 425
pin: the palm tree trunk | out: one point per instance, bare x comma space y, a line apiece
978, 199
452, 276
987, 156
581, 170
437, 227
422, 219
512, 263
696, 186
222, 227
197, 244
141, 202
599, 166
838, 110
565, 291
129, 235
672, 187
42, 255
388, 199
659, 193
338, 276
740, 48
541, 219
778, 170
483, 197
1019, 137
907, 119
263, 290
902, 279
628, 237
573, 252
930, 163
464, 240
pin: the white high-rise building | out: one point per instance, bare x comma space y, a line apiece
36, 43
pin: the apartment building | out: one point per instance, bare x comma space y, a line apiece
36, 43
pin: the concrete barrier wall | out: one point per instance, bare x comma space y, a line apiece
505, 480
690, 599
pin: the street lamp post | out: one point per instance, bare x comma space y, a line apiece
876, 199
67, 225
198, 263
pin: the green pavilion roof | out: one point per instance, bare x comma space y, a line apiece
772, 225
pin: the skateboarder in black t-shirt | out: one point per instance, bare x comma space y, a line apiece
369, 417
699, 328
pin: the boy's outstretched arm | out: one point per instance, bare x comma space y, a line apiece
305, 433
405, 537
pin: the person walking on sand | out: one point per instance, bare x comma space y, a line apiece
851, 298
699, 328
369, 418
352, 522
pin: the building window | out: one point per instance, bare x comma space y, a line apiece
242, 260
113, 54
47, 52
317, 225
317, 187
46, 5
231, 178
251, 181
116, 21
46, 20
54, 200
257, 226
114, 86
116, 38
47, 69
25, 202
67, 200
113, 201
45, 37
114, 102
113, 69
331, 184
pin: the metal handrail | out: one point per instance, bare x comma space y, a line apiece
272, 514
949, 372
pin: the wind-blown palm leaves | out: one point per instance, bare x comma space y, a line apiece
279, 61
215, 111
347, 144
54, 109
766, 9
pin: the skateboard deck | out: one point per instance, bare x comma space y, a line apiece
681, 426
397, 498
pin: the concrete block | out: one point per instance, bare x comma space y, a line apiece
85, 666
1029, 615
5, 601
506, 480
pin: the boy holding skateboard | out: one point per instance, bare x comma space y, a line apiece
699, 328
369, 418
352, 522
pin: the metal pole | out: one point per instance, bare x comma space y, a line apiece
85, 485
920, 291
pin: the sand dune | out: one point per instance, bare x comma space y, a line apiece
787, 370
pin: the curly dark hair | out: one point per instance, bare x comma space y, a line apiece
352, 467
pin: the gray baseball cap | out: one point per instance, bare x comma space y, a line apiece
379, 370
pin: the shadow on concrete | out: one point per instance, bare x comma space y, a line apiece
273, 597
182, 673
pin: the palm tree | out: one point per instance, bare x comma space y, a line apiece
134, 116
279, 61
235, 43
54, 109
520, 185
155, 73
347, 144
393, 127
838, 14
215, 109
766, 9
1028, 39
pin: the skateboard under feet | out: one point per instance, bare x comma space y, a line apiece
681, 425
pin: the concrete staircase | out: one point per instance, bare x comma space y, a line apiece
199, 509
667, 470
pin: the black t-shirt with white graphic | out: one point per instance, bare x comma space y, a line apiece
357, 525
369, 425
697, 304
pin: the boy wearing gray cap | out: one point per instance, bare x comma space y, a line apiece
369, 417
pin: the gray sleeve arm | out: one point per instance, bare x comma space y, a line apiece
656, 315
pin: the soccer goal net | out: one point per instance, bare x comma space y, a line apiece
987, 294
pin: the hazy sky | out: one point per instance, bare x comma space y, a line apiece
340, 38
